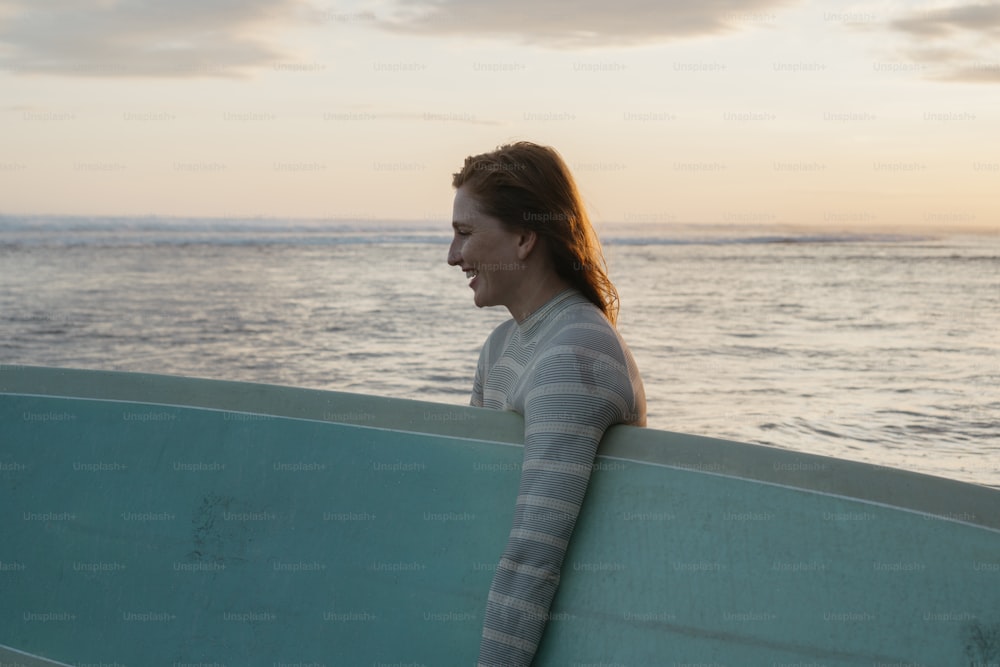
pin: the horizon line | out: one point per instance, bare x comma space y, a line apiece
851, 223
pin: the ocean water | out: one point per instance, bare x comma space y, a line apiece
876, 348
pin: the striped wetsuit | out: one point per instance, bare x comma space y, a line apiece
567, 371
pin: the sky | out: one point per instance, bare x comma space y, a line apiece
814, 113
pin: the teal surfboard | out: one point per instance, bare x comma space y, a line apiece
153, 520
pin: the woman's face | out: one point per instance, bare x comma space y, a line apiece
487, 252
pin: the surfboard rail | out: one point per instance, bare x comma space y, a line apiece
919, 492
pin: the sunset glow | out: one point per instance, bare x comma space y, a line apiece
870, 116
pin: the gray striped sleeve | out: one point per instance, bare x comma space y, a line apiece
572, 385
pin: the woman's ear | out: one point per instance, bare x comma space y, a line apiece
526, 243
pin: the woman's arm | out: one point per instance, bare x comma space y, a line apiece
575, 395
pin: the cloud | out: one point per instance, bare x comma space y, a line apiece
950, 21
147, 38
956, 44
582, 23
976, 73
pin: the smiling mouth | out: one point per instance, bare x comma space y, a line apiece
471, 273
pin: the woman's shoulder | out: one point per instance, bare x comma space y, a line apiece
585, 356
582, 323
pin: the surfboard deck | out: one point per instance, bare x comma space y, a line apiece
156, 520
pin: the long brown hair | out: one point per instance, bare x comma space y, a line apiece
527, 186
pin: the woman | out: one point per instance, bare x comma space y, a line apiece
524, 239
